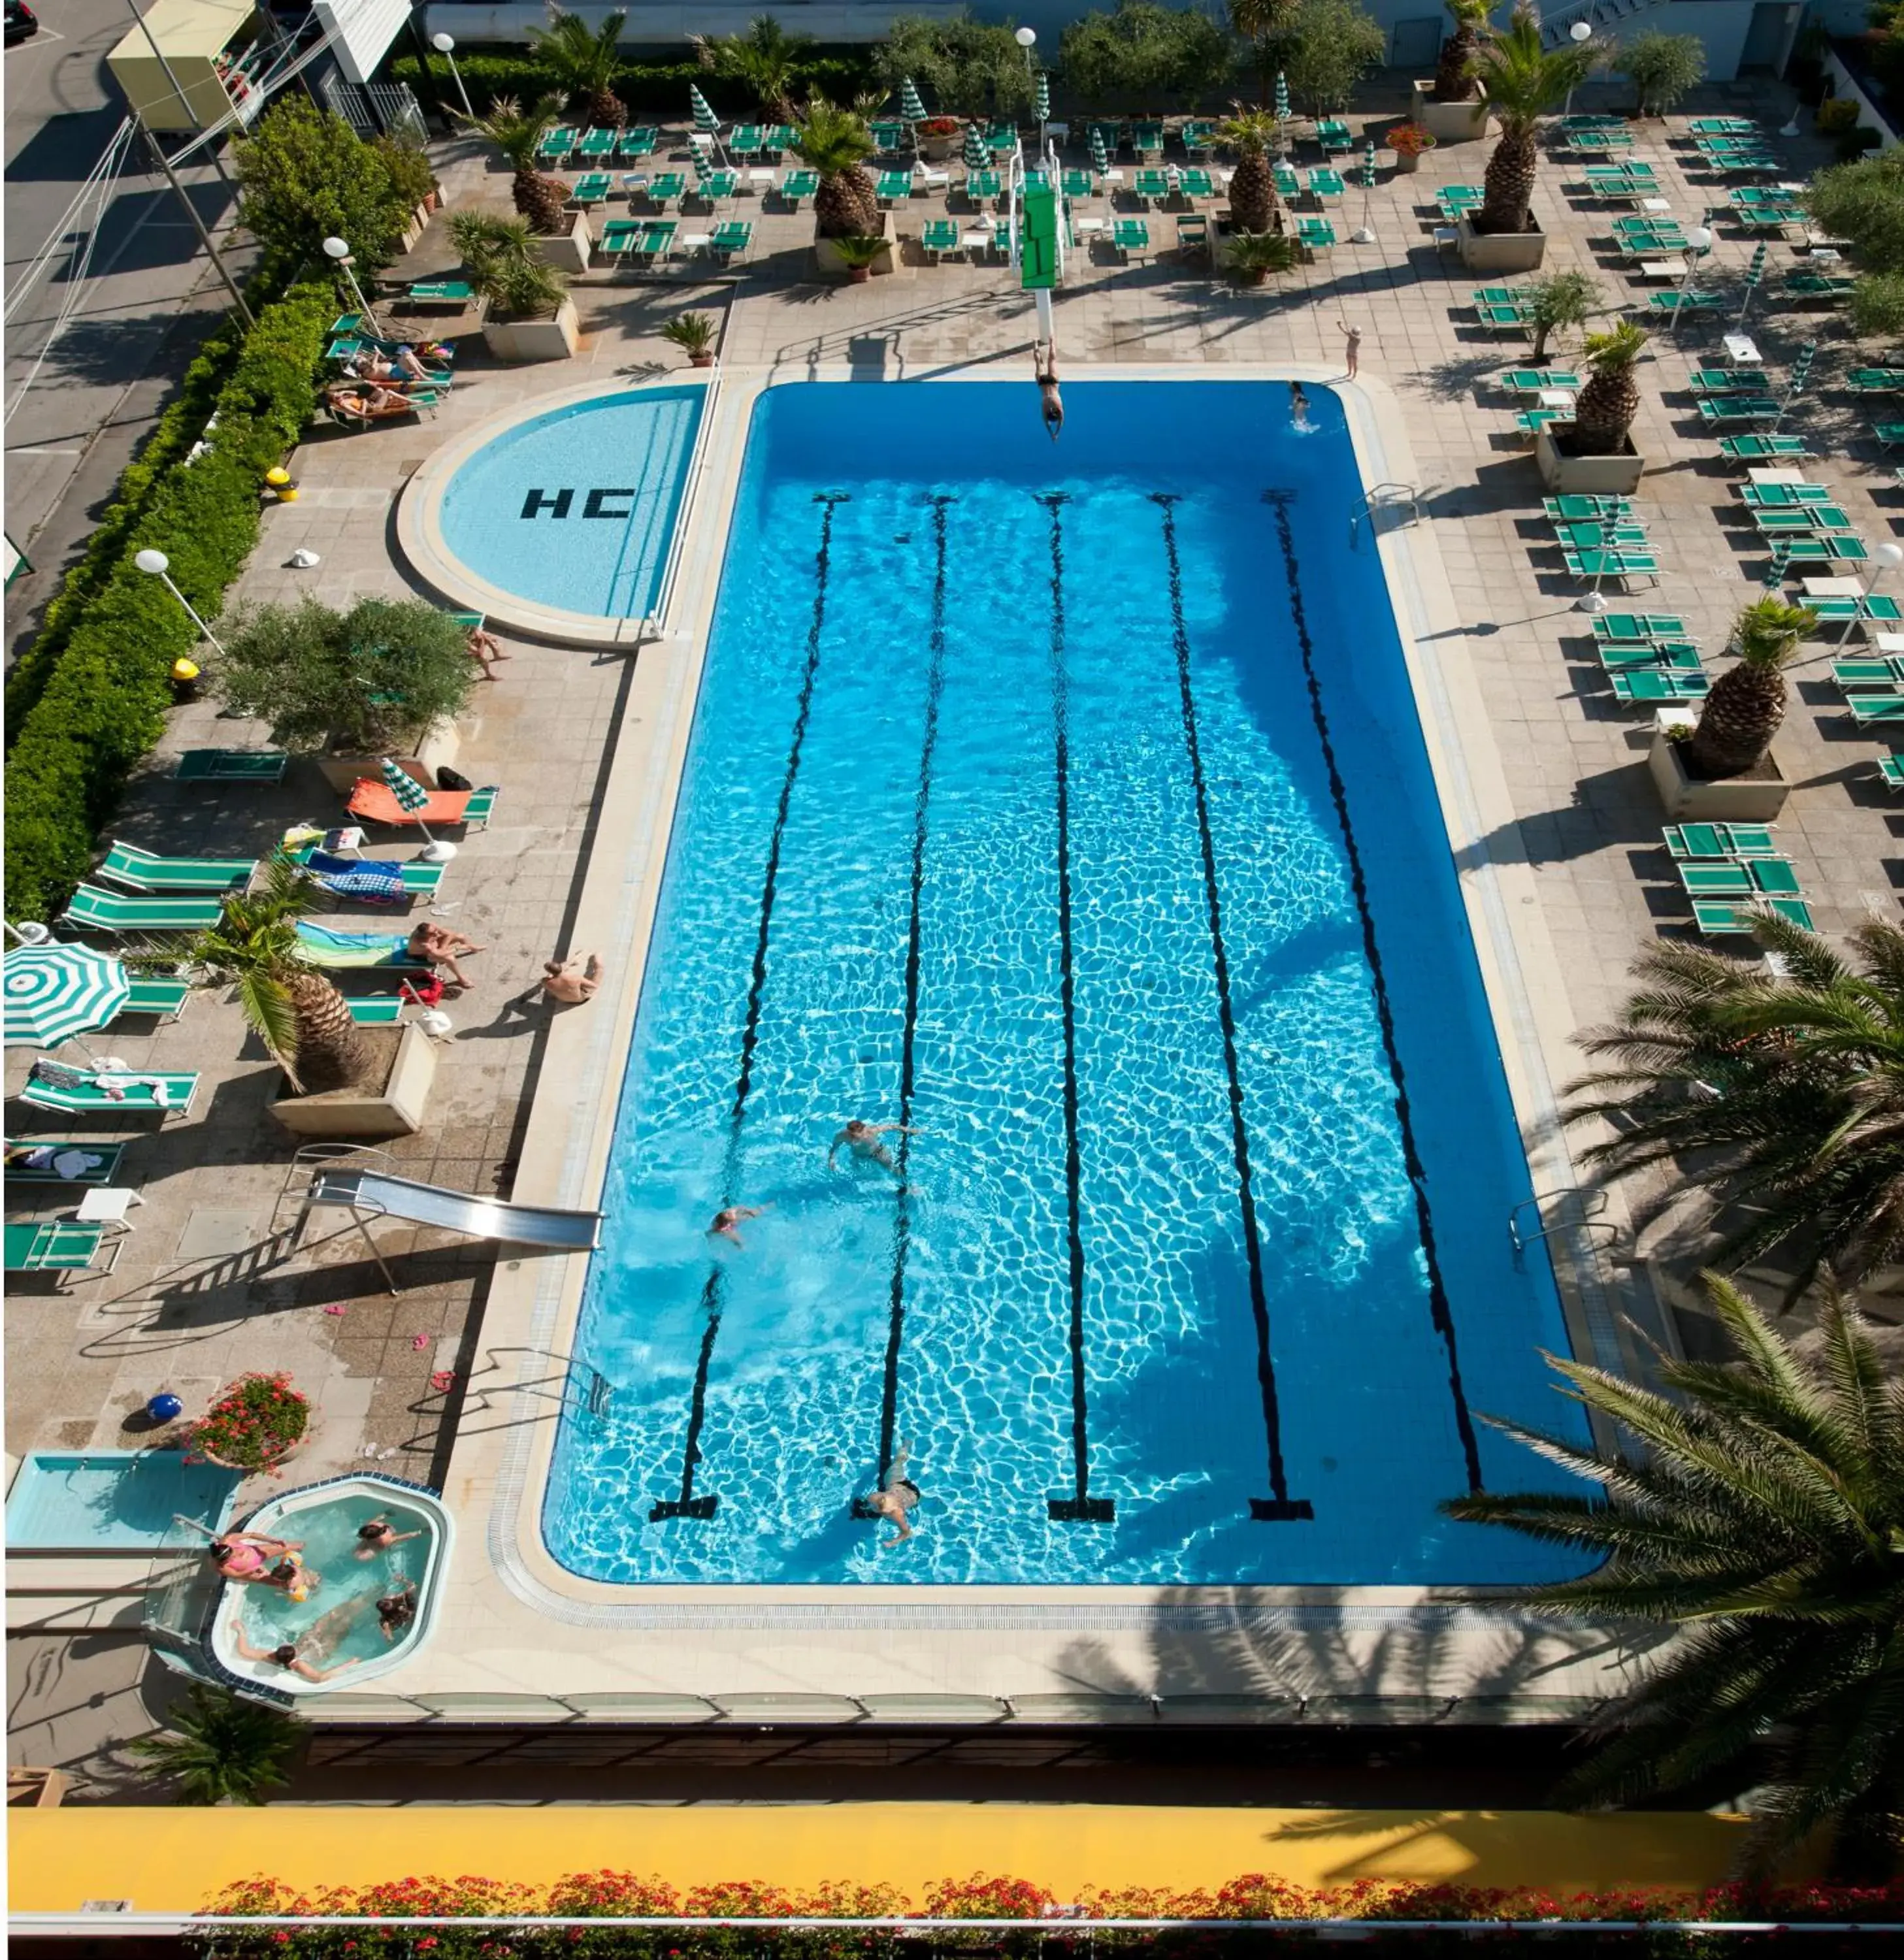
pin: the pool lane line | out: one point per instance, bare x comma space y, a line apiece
1443, 1315
1080, 1507
1278, 1507
713, 1292
902, 1195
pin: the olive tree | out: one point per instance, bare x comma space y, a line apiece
1662, 68
1863, 203
962, 67
1328, 46
1143, 57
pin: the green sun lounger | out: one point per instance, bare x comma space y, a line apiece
1867, 708
894, 186
93, 909
164, 994
1288, 185
1727, 381
1333, 135
1615, 627
1324, 184
797, 186
84, 1092
420, 880
1129, 235
593, 189
1079, 185
1880, 676
635, 144
1154, 186
68, 1164
1531, 421
556, 147
1581, 508
231, 765
1849, 613
1643, 686
1740, 878
597, 143
442, 292
375, 1010
1719, 840
1669, 656
1598, 564
1808, 520
731, 238
1718, 917
1890, 770
660, 190
1804, 288
1315, 234
1835, 547
1507, 320
1737, 408
982, 187
1876, 380
145, 871
715, 187
1195, 185
1783, 496
1535, 380
61, 1248
1672, 306
1147, 138
1763, 448
1614, 537
939, 236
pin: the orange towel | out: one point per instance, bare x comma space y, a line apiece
375, 802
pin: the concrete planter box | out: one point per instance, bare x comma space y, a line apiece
1449, 122
567, 251
440, 744
826, 259
553, 338
1586, 475
1755, 799
1501, 251
396, 1110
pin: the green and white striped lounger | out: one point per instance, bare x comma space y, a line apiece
145, 871
1716, 916
1890, 769
65, 1161
62, 1248
375, 1010
1668, 655
76, 1089
1642, 686
95, 910
232, 766
1867, 708
1719, 840
1752, 877
162, 994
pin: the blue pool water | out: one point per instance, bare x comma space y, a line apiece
1016, 818
576, 508
103, 1499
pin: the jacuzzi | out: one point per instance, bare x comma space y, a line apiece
337, 1620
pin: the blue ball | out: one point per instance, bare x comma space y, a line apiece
165, 1408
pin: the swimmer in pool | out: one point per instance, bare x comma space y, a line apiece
246, 1556
320, 1640
726, 1222
898, 1496
863, 1140
1298, 406
378, 1535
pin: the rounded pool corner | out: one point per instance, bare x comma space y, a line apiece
325, 1516
605, 470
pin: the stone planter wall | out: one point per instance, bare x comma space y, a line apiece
1586, 475
1449, 122
1498, 252
366, 1114
554, 338
440, 745
567, 252
826, 259
1737, 800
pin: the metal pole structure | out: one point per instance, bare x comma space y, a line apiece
198, 225
1698, 242
156, 564
1580, 31
445, 46
185, 101
338, 252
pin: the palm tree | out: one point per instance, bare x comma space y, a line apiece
1780, 1095
766, 58
1604, 408
1253, 190
583, 65
836, 142
1525, 80
222, 1748
1564, 300
1747, 702
300, 1017
1263, 23
519, 136
498, 254
1454, 72
1761, 1515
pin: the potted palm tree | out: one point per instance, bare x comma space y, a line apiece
835, 142
1594, 454
765, 60
693, 333
1253, 256
1525, 81
1452, 106
584, 62
859, 256
529, 316
219, 1748
340, 1079
1253, 187
1724, 772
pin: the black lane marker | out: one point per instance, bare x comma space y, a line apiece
1279, 1506
1080, 1507
713, 1292
1444, 1318
902, 1197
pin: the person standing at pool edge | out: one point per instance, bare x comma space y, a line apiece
1354, 335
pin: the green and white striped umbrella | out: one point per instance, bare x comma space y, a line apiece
977, 157
704, 119
1754, 273
1044, 96
410, 794
1282, 96
55, 992
1795, 384
911, 108
1368, 165
1099, 151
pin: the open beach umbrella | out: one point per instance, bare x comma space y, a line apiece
1754, 273
53, 992
977, 157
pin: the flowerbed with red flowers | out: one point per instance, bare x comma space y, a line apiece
940, 125
1053, 1926
253, 1425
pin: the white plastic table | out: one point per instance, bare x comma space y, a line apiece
1833, 588
1743, 349
108, 1205
1769, 480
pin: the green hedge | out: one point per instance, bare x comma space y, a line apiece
99, 698
659, 89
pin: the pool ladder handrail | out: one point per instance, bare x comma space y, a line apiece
656, 625
1374, 502
1592, 1204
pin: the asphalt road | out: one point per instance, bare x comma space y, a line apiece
152, 297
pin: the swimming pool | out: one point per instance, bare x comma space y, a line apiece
1069, 804
575, 510
105, 1499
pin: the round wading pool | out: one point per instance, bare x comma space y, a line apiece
562, 519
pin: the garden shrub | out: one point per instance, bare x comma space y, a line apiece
1143, 55
97, 702
651, 88
305, 175
961, 67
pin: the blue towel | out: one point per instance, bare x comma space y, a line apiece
377, 879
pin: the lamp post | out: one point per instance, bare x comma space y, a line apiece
445, 46
1027, 38
1698, 242
338, 254
156, 564
1581, 31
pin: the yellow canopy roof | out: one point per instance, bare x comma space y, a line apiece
186, 29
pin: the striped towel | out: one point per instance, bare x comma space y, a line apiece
376, 879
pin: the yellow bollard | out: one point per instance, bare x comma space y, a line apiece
281, 486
